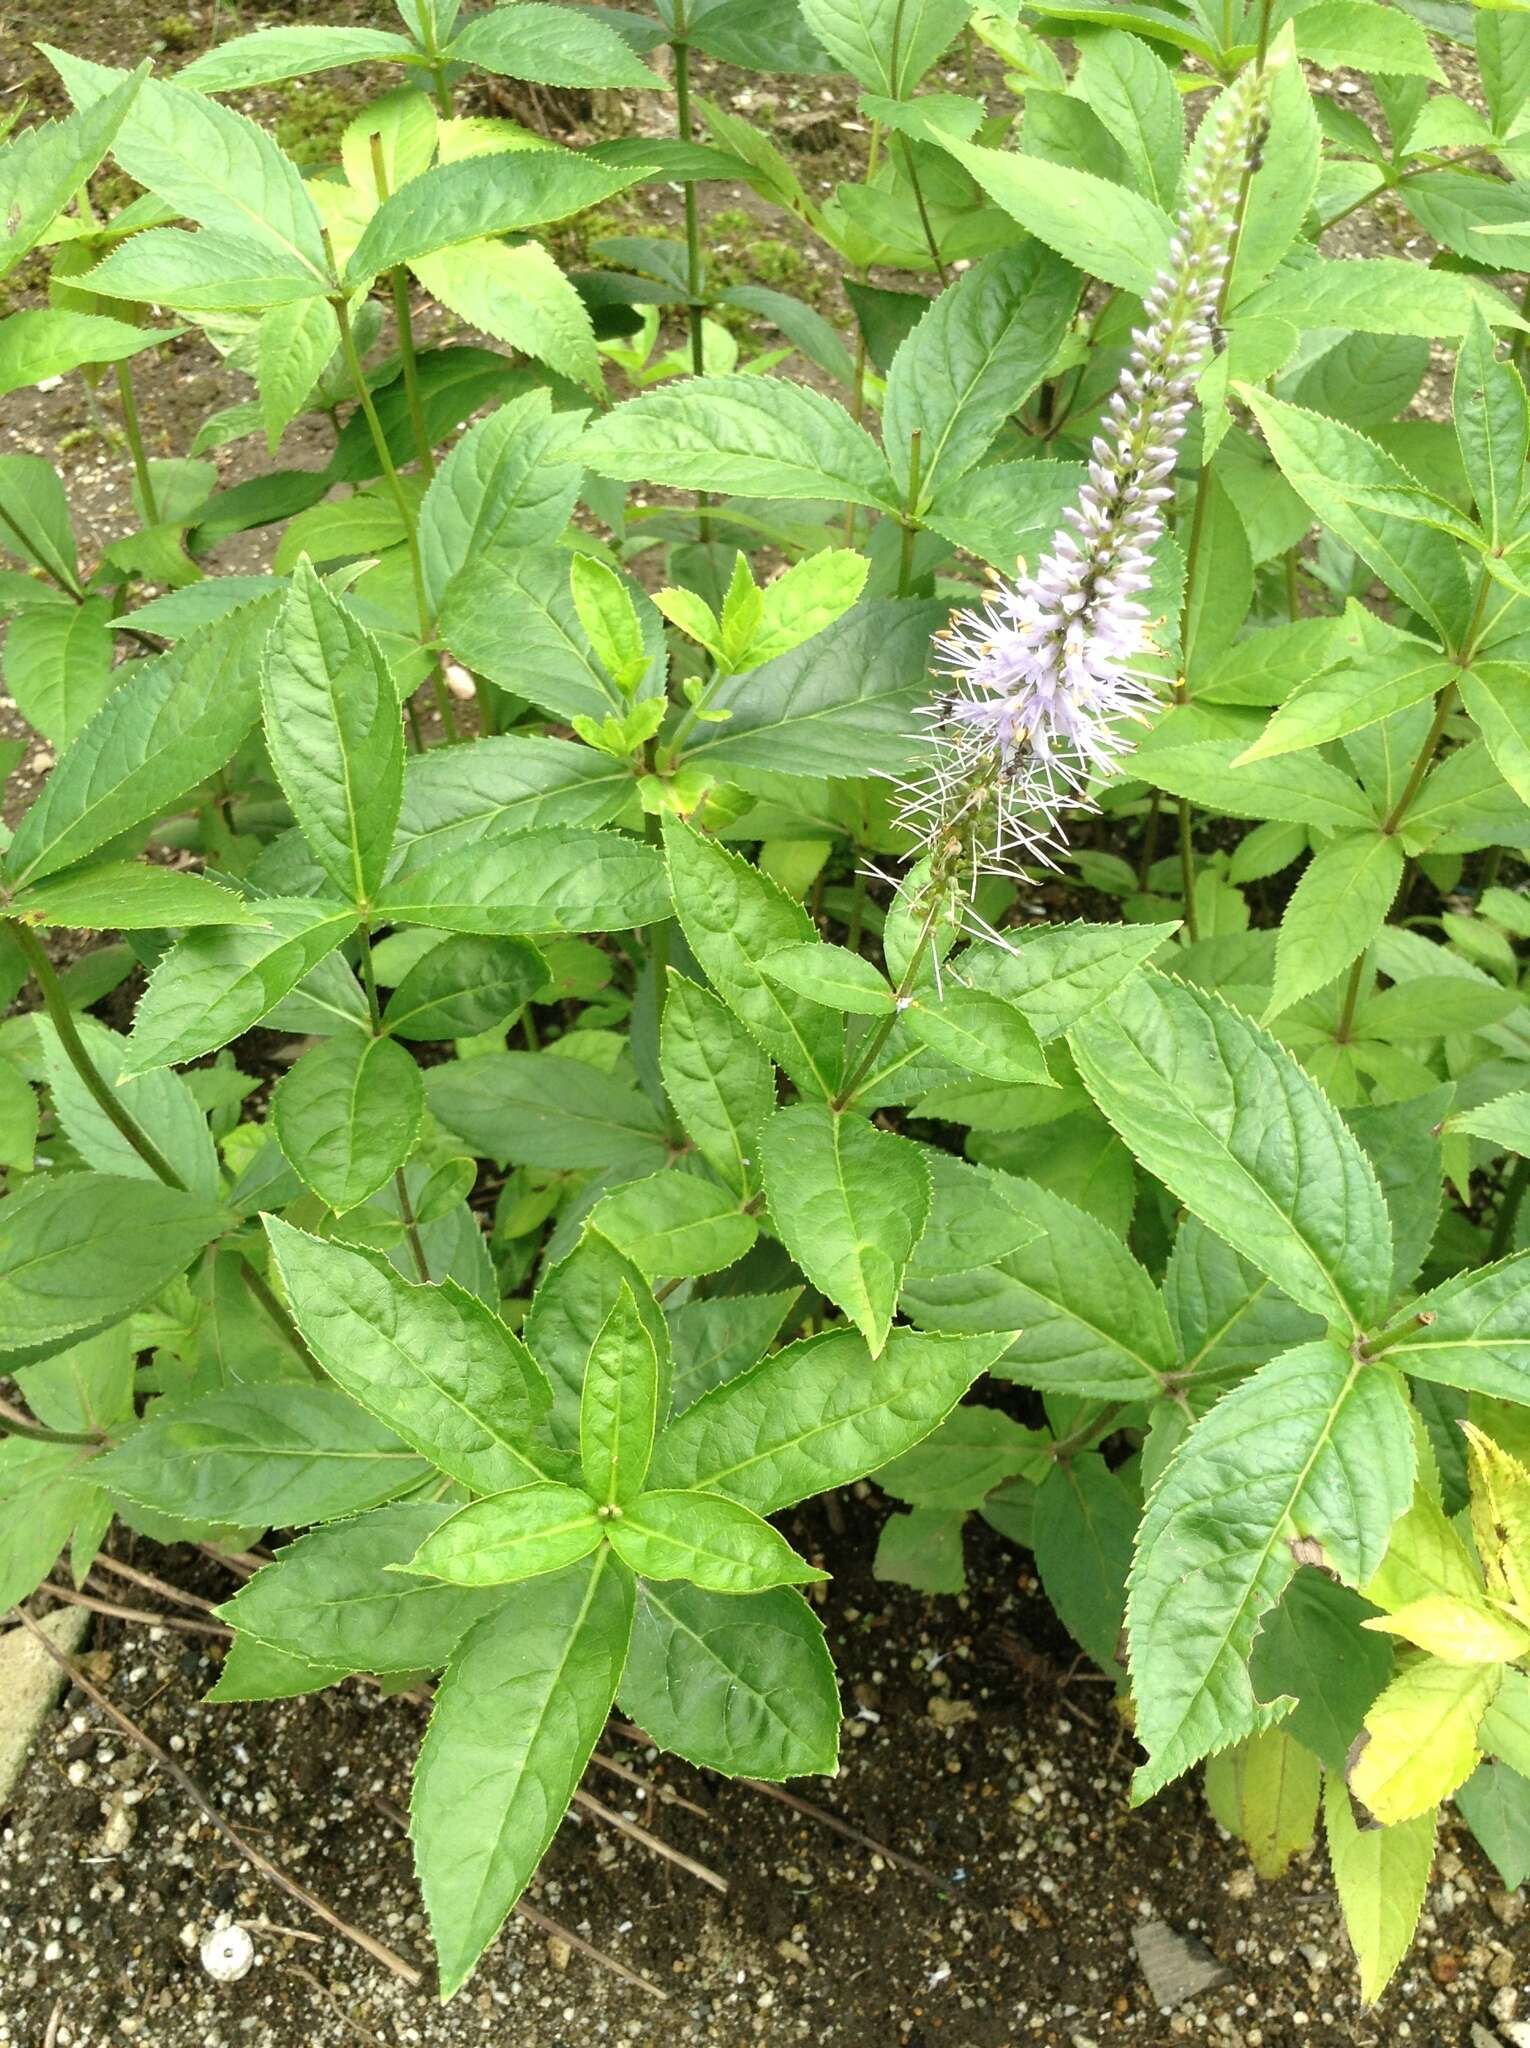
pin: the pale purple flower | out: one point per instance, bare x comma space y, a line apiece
1042, 692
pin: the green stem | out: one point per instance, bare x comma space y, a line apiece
31, 551
910, 521
401, 500
1508, 1209
1352, 990
56, 1003
857, 909
398, 280
12, 1424
1150, 840
1087, 1433
1187, 871
658, 943
930, 241
400, 1184
133, 428
879, 1036
1293, 588
693, 309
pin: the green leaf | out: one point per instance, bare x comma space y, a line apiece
1504, 1122
831, 975
44, 1490
1132, 90
973, 360
271, 54
457, 796
265, 1457
1193, 752
42, 168
820, 1413
1492, 692
1056, 974
207, 272
610, 621
1334, 913
734, 918
975, 1218
520, 1535
549, 661
1372, 504
331, 1601
433, 1363
19, 1119
460, 202
347, 1115
721, 1085
40, 342
334, 734
1380, 295
215, 983
1265, 1791
58, 665
857, 685
923, 1549
802, 602
517, 293
1084, 1525
1313, 1648
974, 1450
219, 169
296, 342
709, 1541
510, 482
850, 1203
1492, 428
980, 1031
1246, 1140
619, 1407
554, 878
161, 1103
465, 986
1473, 1332
1420, 1741
550, 46
885, 49
715, 1340
675, 1225
1314, 1445
521, 1707
130, 895
1346, 699
1103, 229
541, 1109
1495, 1804
568, 1311
1366, 37
755, 436
81, 1249
176, 719
34, 520
1087, 1316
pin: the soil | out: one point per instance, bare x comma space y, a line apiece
978, 1744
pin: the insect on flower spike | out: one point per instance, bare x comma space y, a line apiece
1040, 690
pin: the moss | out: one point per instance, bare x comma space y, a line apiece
312, 121
177, 31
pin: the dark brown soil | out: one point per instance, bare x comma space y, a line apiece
976, 1745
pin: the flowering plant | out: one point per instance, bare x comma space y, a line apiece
613, 1049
